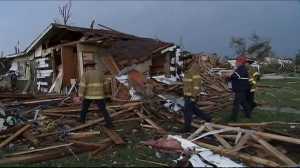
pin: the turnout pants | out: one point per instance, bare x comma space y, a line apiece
240, 98
102, 107
251, 100
191, 108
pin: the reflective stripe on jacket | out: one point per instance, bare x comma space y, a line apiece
92, 85
254, 76
191, 83
240, 79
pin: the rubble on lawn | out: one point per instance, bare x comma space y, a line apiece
36, 128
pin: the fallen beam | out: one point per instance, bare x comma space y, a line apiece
244, 157
114, 136
152, 123
15, 135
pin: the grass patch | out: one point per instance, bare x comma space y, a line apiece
286, 95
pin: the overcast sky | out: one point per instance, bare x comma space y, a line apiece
203, 25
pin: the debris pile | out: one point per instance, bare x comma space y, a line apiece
48, 128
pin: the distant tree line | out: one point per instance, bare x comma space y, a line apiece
254, 46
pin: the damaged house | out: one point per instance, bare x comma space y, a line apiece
55, 59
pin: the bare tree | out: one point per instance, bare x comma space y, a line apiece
239, 45
65, 12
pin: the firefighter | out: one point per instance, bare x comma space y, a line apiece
240, 87
254, 76
191, 89
91, 90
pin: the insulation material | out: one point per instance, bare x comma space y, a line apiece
14, 67
44, 73
124, 80
166, 80
173, 104
207, 154
41, 62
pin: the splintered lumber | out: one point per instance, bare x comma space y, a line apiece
89, 144
197, 132
152, 123
35, 102
219, 138
260, 124
258, 133
241, 143
101, 148
274, 151
127, 105
29, 136
39, 150
244, 157
88, 124
83, 135
48, 155
60, 115
67, 110
97, 121
114, 136
127, 120
15, 135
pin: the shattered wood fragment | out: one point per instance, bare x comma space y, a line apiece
83, 144
30, 137
39, 150
114, 136
244, 157
97, 121
219, 138
197, 132
47, 155
15, 135
101, 148
152, 123
274, 151
84, 135
60, 115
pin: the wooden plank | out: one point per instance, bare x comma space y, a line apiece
15, 135
97, 121
197, 132
219, 138
84, 135
261, 134
39, 150
274, 151
86, 125
47, 155
241, 143
89, 144
29, 136
114, 136
242, 156
149, 121
60, 115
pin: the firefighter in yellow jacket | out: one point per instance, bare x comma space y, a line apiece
91, 89
191, 88
254, 76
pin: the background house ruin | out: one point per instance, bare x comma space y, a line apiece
67, 47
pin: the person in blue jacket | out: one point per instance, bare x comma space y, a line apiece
240, 87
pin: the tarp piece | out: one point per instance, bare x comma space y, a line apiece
208, 155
